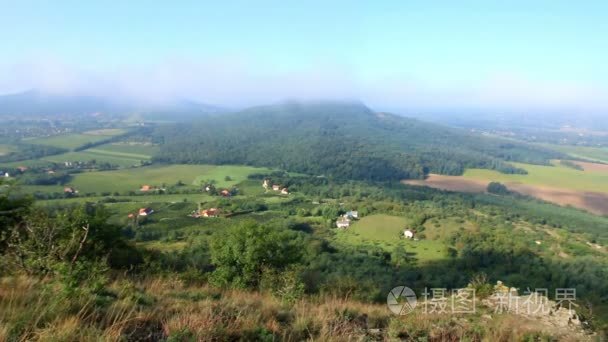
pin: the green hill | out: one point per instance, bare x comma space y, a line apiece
341, 140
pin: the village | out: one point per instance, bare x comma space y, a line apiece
343, 222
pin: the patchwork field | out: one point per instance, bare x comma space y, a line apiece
98, 156
6, 149
133, 179
74, 140
597, 154
559, 184
385, 231
128, 149
591, 179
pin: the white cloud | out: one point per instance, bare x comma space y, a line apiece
241, 82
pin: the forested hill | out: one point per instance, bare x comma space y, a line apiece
338, 139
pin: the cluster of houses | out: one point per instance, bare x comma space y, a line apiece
345, 220
275, 187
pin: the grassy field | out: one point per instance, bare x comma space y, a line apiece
74, 140
597, 154
126, 149
384, 231
6, 149
553, 176
88, 155
123, 155
133, 179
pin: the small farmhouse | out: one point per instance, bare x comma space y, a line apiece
145, 188
276, 187
352, 214
225, 193
69, 190
131, 215
343, 222
408, 234
285, 191
145, 211
211, 212
6, 175
22, 168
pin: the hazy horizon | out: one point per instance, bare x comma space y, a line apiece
544, 56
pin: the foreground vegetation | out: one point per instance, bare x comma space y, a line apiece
80, 262
275, 267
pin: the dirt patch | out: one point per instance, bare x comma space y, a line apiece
593, 167
450, 183
594, 202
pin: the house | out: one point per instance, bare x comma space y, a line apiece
343, 222
266, 184
6, 175
22, 168
131, 216
538, 242
352, 214
408, 234
276, 187
145, 188
285, 191
208, 187
225, 193
145, 211
69, 190
50, 172
211, 212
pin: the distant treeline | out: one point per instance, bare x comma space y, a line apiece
339, 140
31, 151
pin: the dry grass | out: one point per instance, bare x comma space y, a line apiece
156, 309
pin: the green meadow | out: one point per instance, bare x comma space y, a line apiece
386, 231
74, 140
99, 157
126, 149
134, 178
552, 176
6, 149
597, 154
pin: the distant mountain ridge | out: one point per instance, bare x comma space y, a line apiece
37, 103
339, 139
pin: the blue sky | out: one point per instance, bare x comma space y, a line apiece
423, 54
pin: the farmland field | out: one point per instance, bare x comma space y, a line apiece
384, 231
6, 149
74, 140
88, 155
555, 176
133, 179
598, 154
559, 184
133, 150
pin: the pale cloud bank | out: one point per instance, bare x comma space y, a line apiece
238, 82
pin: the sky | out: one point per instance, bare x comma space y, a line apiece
499, 55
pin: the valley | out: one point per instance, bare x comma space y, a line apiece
179, 202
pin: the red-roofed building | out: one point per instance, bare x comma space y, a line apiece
145, 211
211, 212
